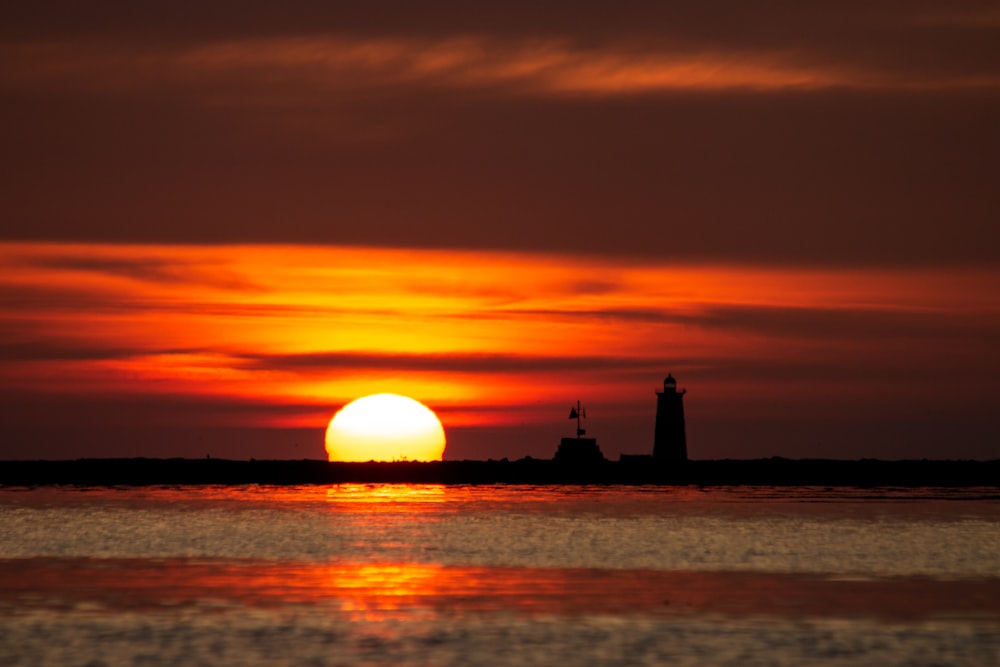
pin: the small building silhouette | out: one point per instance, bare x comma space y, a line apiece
579, 450
669, 439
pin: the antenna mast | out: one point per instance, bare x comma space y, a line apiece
578, 413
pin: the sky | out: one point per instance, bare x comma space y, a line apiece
220, 222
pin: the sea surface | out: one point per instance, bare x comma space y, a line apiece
499, 575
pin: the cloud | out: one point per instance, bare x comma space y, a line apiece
814, 132
546, 67
882, 35
493, 340
295, 72
145, 265
54, 349
786, 322
150, 410
451, 363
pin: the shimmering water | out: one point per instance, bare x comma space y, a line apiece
434, 575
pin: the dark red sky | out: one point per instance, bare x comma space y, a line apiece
856, 140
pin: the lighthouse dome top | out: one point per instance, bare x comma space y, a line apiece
670, 382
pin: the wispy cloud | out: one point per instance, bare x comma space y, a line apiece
320, 325
289, 72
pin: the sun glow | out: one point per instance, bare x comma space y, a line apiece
385, 427
268, 337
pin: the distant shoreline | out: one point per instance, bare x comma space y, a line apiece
727, 472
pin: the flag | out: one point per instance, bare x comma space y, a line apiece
572, 413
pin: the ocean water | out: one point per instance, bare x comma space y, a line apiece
499, 575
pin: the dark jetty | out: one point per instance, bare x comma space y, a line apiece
631, 470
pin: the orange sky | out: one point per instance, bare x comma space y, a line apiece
282, 336
219, 222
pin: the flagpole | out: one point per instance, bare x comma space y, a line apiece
579, 413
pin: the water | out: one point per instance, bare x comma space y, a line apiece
434, 575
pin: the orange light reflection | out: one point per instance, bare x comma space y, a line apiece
374, 592
395, 497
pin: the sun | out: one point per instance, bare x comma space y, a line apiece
385, 427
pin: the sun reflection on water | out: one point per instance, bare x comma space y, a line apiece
393, 590
386, 497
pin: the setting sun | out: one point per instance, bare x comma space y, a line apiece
385, 427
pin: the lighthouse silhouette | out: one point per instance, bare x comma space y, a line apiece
669, 439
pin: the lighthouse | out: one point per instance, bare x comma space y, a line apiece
669, 440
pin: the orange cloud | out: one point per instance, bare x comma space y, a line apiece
469, 333
302, 68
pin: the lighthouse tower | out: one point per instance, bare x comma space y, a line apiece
669, 441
